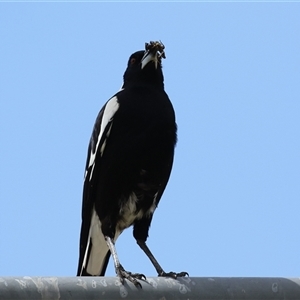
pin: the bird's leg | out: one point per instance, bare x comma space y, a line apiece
132, 277
155, 263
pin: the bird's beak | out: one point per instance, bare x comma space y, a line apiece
148, 57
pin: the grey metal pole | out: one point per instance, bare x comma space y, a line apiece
201, 288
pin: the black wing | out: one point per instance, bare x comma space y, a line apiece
96, 147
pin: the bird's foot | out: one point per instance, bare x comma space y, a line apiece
132, 277
173, 274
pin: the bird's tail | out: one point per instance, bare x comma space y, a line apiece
94, 258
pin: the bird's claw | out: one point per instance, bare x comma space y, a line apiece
173, 274
132, 277
183, 274
137, 275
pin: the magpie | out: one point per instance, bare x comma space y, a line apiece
130, 157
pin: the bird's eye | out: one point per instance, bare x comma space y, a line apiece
132, 61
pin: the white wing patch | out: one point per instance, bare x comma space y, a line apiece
104, 142
109, 111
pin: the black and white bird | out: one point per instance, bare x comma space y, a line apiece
128, 166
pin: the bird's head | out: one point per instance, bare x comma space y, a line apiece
145, 66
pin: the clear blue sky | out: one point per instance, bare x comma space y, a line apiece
233, 74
